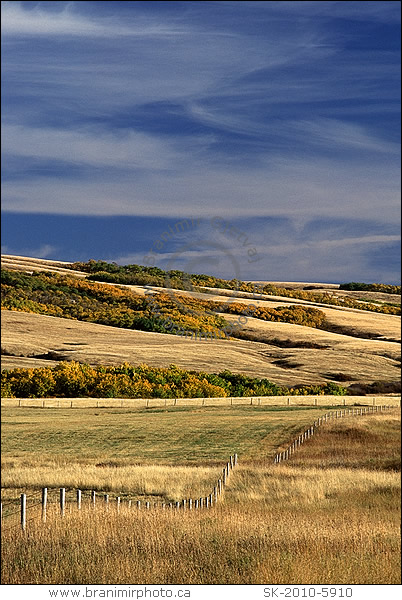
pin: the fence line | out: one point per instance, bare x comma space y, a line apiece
150, 403
338, 414
185, 504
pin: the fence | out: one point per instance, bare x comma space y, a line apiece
93, 497
338, 414
202, 503
320, 400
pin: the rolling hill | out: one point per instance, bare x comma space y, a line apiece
362, 347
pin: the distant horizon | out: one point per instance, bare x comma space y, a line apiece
246, 280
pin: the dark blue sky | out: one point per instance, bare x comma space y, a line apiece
121, 119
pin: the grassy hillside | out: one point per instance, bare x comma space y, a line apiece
58, 295
100, 270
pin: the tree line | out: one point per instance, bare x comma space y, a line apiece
76, 380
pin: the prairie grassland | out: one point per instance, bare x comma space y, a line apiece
191, 436
302, 522
142, 452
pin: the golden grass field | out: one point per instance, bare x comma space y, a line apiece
329, 515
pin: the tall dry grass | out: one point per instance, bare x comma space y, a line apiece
319, 518
167, 483
282, 525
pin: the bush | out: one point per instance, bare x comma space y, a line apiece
72, 379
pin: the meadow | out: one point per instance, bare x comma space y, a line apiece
328, 515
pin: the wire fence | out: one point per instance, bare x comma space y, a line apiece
329, 416
93, 498
96, 497
149, 403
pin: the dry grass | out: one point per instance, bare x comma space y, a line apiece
292, 527
165, 483
371, 442
301, 522
28, 335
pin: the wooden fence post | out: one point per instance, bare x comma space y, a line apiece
23, 512
215, 494
184, 504
207, 502
118, 500
201, 502
106, 499
231, 461
235, 459
44, 504
62, 501
79, 499
196, 504
147, 505
93, 498
190, 504
138, 504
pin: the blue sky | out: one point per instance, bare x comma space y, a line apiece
121, 119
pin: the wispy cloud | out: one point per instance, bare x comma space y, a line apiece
283, 109
89, 147
39, 21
